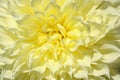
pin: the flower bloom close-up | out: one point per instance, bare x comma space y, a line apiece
59, 39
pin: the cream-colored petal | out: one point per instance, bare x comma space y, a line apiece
103, 71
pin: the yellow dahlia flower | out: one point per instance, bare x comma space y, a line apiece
59, 39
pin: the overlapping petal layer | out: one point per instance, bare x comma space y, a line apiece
59, 39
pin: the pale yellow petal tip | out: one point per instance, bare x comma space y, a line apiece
59, 39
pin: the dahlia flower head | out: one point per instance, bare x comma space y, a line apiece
59, 39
